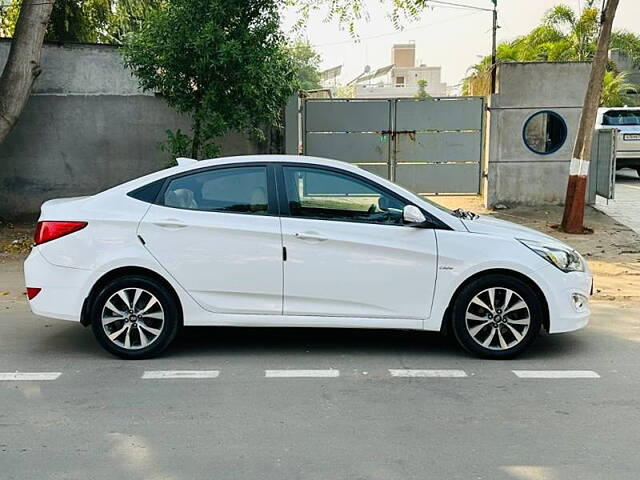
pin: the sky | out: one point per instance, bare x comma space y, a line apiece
450, 37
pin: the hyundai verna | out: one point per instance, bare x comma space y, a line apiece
268, 241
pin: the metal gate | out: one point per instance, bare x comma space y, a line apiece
602, 168
431, 146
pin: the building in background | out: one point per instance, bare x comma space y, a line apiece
401, 78
330, 78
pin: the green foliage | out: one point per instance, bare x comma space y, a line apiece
347, 12
89, 21
176, 145
563, 36
222, 62
305, 64
617, 91
629, 43
346, 91
422, 90
8, 17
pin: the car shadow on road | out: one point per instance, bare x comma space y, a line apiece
71, 341
330, 342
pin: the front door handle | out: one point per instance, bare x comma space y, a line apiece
310, 236
170, 223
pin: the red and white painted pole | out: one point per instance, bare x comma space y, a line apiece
573, 218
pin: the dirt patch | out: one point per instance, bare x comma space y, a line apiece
15, 241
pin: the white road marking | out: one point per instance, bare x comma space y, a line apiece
301, 373
30, 376
165, 374
428, 373
556, 374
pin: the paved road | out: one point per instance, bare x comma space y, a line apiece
626, 206
354, 419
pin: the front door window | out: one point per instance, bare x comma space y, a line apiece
329, 195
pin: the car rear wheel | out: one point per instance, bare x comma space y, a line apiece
496, 316
134, 317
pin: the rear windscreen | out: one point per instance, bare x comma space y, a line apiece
621, 117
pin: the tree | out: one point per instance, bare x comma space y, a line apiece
617, 91
422, 90
573, 217
88, 21
305, 64
222, 62
346, 91
347, 12
23, 62
562, 36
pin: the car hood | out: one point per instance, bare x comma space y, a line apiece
501, 228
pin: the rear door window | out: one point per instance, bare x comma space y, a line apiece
231, 190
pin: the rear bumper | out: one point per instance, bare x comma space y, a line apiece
62, 287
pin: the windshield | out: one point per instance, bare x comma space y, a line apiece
621, 117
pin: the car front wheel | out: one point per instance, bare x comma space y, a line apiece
496, 316
134, 317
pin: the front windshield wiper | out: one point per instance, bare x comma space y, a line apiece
464, 214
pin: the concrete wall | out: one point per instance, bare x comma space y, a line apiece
513, 173
86, 127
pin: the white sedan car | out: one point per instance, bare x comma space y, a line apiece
268, 241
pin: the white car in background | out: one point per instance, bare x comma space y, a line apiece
627, 121
269, 241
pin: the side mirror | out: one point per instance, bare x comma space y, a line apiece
412, 215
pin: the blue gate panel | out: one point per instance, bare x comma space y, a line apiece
456, 113
349, 147
439, 178
438, 147
347, 115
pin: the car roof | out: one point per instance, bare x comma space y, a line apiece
272, 158
608, 109
186, 165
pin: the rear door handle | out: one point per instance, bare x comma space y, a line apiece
310, 236
170, 223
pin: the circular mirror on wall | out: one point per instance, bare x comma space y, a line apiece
544, 132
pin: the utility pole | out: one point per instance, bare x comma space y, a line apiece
573, 217
494, 46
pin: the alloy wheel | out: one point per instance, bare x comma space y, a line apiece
132, 318
497, 318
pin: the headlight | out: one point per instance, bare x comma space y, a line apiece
566, 259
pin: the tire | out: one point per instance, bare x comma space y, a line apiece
146, 326
481, 325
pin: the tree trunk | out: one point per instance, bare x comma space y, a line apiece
573, 218
23, 63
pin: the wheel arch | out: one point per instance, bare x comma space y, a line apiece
498, 271
85, 318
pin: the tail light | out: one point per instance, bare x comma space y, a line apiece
46, 231
32, 292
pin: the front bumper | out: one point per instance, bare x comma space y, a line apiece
62, 293
564, 314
